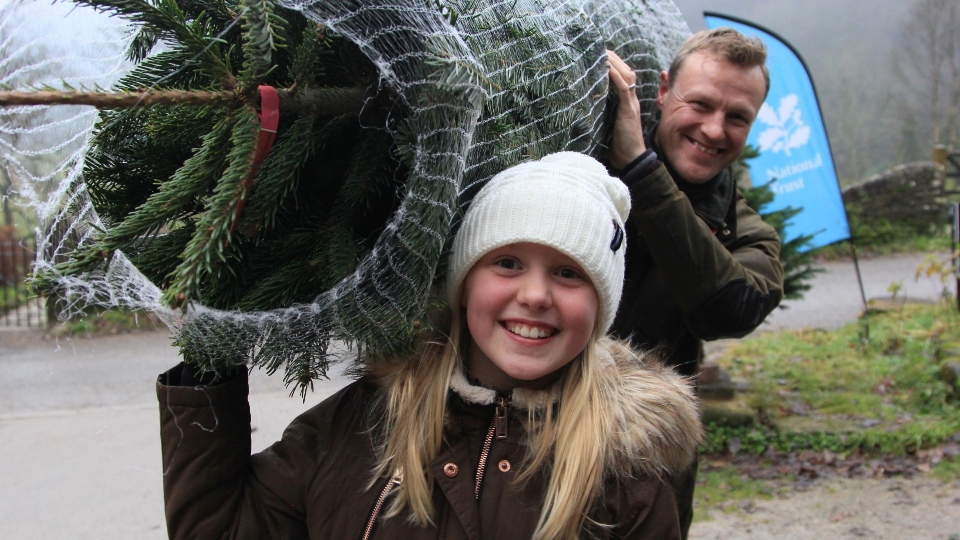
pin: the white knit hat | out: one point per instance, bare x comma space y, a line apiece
566, 201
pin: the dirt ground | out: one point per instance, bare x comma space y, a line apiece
895, 509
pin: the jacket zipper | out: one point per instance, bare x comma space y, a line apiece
498, 427
375, 513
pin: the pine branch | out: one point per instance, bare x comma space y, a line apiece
174, 130
148, 36
157, 258
132, 149
294, 280
165, 70
145, 40
797, 264
278, 178
223, 284
322, 101
302, 70
175, 199
170, 22
208, 246
329, 252
260, 27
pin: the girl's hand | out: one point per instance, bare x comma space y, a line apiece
627, 143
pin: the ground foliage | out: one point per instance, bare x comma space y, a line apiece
832, 406
834, 394
884, 238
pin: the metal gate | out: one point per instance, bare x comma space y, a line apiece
18, 308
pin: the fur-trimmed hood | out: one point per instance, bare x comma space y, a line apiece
654, 410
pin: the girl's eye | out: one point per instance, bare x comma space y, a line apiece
569, 273
507, 263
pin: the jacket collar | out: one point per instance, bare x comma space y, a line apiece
480, 395
711, 200
654, 409
522, 398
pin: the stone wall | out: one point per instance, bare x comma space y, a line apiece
911, 194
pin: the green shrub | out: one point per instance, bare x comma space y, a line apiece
820, 390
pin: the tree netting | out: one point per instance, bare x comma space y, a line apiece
392, 115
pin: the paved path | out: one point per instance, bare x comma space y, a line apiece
78, 434
834, 299
78, 416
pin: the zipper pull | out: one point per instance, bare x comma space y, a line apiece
501, 418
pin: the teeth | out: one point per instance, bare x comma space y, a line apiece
529, 331
711, 151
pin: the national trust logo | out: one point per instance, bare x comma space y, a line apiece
785, 128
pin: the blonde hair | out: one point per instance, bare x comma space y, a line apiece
727, 43
414, 408
573, 444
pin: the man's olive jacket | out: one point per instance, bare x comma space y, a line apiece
701, 264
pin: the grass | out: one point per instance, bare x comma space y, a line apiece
908, 244
724, 489
890, 383
836, 391
110, 321
886, 239
947, 471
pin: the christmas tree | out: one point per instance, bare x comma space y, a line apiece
795, 253
280, 177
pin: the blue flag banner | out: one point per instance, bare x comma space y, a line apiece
793, 144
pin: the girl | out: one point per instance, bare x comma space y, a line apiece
519, 421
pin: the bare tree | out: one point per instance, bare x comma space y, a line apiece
927, 60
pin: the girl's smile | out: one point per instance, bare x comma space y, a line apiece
530, 310
532, 331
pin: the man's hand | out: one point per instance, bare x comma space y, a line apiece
627, 143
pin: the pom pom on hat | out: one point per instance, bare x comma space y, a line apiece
566, 201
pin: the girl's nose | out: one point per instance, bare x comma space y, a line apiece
534, 290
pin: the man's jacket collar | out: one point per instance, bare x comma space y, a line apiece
711, 200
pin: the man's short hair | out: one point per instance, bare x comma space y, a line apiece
730, 45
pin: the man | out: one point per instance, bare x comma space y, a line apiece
701, 264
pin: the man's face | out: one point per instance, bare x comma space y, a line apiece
706, 115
